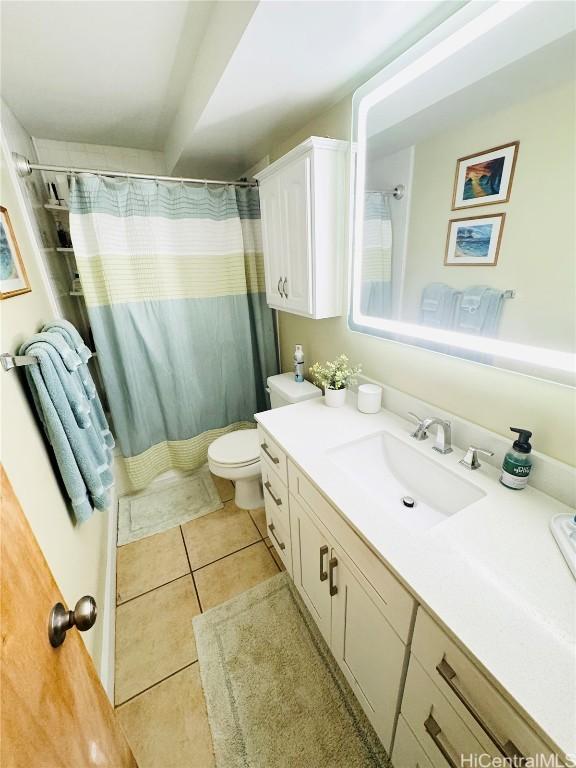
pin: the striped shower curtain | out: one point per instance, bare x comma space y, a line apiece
376, 289
173, 280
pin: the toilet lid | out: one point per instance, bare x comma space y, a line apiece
235, 449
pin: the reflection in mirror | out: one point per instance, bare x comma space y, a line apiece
482, 243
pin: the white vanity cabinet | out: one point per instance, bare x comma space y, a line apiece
302, 199
451, 709
352, 616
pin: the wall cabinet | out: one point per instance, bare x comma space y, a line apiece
302, 201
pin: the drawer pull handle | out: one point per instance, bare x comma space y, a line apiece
272, 529
507, 748
280, 286
268, 487
332, 563
264, 447
323, 553
433, 730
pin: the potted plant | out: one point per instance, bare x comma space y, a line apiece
334, 377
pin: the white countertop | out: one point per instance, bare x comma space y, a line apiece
492, 573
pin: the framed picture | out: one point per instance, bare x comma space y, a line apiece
474, 242
485, 178
13, 277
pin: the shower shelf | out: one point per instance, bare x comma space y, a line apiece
52, 207
76, 293
65, 250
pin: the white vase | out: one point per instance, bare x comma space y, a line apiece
335, 398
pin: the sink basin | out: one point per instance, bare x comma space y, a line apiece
389, 470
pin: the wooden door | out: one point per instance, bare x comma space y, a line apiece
272, 242
310, 554
54, 711
295, 189
367, 649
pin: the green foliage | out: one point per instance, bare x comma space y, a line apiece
337, 374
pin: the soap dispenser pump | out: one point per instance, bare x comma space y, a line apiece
517, 463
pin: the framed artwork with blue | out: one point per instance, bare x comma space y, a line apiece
474, 242
13, 277
486, 177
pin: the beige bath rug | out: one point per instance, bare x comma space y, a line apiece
166, 505
274, 694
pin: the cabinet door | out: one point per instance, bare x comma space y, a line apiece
295, 190
310, 551
272, 241
369, 652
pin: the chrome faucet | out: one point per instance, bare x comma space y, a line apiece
443, 433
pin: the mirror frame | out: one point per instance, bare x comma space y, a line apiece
527, 26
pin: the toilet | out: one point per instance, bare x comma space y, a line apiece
236, 456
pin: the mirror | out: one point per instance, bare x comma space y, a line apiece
464, 204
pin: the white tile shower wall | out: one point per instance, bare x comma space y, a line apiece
100, 157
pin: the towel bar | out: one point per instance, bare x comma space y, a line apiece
9, 361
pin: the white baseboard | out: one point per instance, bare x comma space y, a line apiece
108, 613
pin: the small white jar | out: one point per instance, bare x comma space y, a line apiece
369, 398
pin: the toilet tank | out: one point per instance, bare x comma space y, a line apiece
285, 391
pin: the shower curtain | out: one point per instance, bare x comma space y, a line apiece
376, 295
173, 280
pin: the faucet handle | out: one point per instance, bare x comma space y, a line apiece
470, 461
420, 433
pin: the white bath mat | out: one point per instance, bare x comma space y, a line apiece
166, 505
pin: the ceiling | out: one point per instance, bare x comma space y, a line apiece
212, 84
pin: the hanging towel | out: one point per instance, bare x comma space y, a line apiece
75, 342
479, 311
438, 305
75, 425
69, 381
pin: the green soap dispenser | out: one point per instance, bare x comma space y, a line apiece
517, 462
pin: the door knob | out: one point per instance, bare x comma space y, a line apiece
83, 617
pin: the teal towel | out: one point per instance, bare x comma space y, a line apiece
75, 425
479, 311
69, 332
438, 305
75, 342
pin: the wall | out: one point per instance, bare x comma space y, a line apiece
76, 556
490, 397
539, 225
100, 157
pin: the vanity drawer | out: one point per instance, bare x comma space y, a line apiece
278, 527
437, 727
275, 492
270, 451
408, 752
399, 605
494, 722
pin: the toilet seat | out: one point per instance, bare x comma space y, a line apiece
236, 449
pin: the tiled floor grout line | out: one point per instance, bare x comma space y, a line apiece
149, 688
158, 586
218, 559
191, 571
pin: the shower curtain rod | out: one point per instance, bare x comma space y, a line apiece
25, 168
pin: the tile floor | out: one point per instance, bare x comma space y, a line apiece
162, 583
